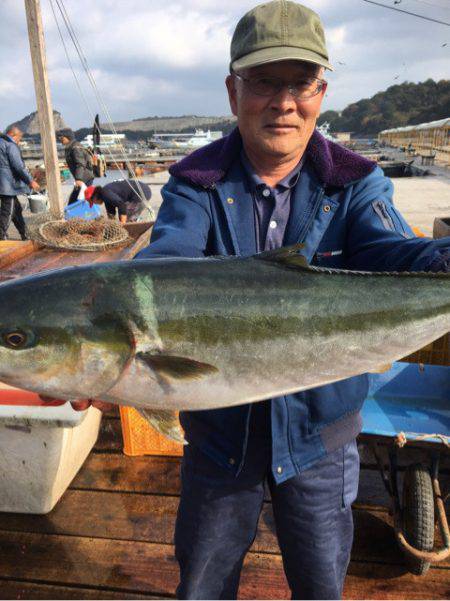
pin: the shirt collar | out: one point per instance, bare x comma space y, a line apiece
289, 181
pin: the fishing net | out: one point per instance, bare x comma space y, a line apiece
78, 234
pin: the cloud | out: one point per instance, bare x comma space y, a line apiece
171, 58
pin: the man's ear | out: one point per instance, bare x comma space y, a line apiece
230, 82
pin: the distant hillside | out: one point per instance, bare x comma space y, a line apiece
30, 124
400, 105
148, 126
168, 124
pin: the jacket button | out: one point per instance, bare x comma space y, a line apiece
230, 201
279, 470
231, 461
327, 208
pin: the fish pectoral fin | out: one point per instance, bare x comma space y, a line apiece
165, 422
169, 367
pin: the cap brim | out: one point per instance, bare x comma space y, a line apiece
277, 54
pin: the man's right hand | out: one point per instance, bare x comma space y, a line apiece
35, 186
79, 183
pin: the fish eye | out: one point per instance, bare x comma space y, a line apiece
17, 339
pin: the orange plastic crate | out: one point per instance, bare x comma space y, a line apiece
436, 353
139, 438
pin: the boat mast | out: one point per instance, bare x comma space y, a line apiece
44, 106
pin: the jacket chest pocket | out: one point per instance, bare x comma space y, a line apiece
315, 250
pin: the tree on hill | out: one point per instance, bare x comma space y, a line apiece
399, 105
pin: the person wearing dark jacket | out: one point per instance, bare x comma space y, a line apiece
14, 180
125, 197
276, 181
79, 162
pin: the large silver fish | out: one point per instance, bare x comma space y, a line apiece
186, 334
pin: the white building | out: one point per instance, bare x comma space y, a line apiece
106, 140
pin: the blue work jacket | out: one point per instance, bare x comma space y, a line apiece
342, 211
14, 177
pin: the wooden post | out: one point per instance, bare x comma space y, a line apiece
44, 106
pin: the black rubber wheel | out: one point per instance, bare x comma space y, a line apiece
418, 515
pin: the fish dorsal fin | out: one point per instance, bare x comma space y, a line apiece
287, 255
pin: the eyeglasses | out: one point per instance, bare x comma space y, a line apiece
304, 88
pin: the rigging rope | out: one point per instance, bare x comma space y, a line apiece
84, 63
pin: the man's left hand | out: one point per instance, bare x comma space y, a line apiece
81, 405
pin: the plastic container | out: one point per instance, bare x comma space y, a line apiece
38, 203
82, 209
42, 447
410, 400
139, 438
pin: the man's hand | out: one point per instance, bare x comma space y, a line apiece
35, 186
85, 404
81, 405
79, 183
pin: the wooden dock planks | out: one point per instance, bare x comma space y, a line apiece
111, 537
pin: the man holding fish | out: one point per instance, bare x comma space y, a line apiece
214, 335
276, 181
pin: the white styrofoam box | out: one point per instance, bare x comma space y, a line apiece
41, 450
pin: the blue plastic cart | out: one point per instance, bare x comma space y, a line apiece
410, 403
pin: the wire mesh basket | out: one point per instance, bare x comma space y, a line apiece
78, 234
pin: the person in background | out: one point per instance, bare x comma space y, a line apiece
79, 161
138, 172
14, 179
124, 197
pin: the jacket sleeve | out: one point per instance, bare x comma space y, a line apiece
183, 223
17, 165
80, 159
378, 237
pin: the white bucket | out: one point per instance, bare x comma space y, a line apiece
38, 203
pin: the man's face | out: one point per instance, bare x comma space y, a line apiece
17, 136
64, 140
277, 126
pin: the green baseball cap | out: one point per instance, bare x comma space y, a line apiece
278, 31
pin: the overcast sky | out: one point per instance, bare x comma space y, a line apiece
170, 57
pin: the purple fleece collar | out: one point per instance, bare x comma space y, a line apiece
334, 164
